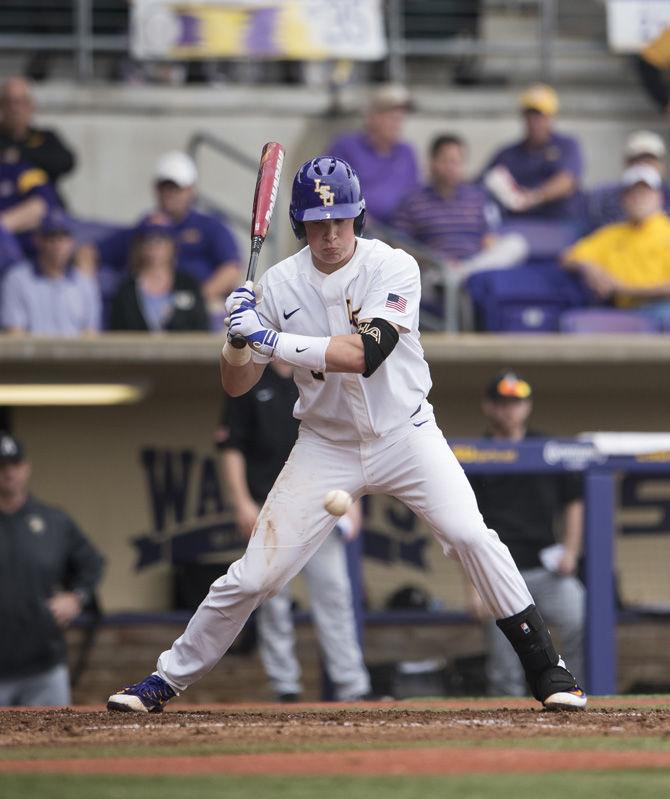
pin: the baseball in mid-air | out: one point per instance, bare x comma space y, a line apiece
337, 502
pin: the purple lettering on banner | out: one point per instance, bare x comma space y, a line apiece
190, 33
261, 33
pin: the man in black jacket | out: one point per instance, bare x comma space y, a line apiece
48, 572
39, 147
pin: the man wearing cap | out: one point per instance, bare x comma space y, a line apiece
48, 573
387, 165
604, 203
538, 177
525, 509
206, 248
628, 262
49, 297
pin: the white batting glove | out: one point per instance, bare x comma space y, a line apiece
242, 294
246, 322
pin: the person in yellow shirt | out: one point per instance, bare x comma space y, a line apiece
628, 262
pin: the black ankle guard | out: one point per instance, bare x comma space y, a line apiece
528, 634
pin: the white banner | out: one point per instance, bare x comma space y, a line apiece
286, 29
632, 24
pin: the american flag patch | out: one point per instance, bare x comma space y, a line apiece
396, 302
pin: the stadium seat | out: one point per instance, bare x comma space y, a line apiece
525, 299
606, 320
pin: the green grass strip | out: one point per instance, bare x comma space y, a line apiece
594, 785
624, 743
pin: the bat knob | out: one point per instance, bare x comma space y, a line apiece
239, 342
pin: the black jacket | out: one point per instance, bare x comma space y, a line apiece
188, 313
42, 551
44, 149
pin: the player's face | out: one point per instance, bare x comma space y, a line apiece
507, 417
332, 242
14, 478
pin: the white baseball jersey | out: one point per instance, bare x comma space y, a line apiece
377, 282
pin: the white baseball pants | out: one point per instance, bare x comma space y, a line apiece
414, 464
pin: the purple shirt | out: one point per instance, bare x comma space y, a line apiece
204, 242
453, 226
385, 179
531, 167
47, 306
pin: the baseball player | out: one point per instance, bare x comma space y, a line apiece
255, 439
344, 312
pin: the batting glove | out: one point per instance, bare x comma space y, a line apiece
243, 294
246, 322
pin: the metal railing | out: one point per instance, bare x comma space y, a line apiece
415, 31
82, 40
232, 154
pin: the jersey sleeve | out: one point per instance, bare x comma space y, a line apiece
395, 293
237, 425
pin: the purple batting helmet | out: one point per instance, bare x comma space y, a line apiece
326, 188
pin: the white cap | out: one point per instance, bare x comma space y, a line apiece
641, 173
644, 142
176, 167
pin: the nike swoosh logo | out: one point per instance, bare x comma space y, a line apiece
289, 315
418, 424
298, 349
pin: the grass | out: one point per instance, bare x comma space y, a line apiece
626, 743
593, 785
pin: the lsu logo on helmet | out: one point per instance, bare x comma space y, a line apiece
327, 196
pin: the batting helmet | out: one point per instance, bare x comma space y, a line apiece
326, 188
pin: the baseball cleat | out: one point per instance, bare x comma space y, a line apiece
574, 699
147, 696
557, 689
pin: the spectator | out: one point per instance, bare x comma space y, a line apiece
454, 217
157, 296
651, 64
387, 166
37, 147
605, 202
628, 262
253, 451
26, 196
49, 297
206, 248
48, 573
524, 509
538, 177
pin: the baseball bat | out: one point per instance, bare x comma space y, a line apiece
265, 197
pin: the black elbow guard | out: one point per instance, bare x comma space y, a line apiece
379, 339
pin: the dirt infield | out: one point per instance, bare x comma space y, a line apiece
431, 738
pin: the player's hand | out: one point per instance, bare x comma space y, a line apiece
65, 607
246, 322
243, 294
246, 514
